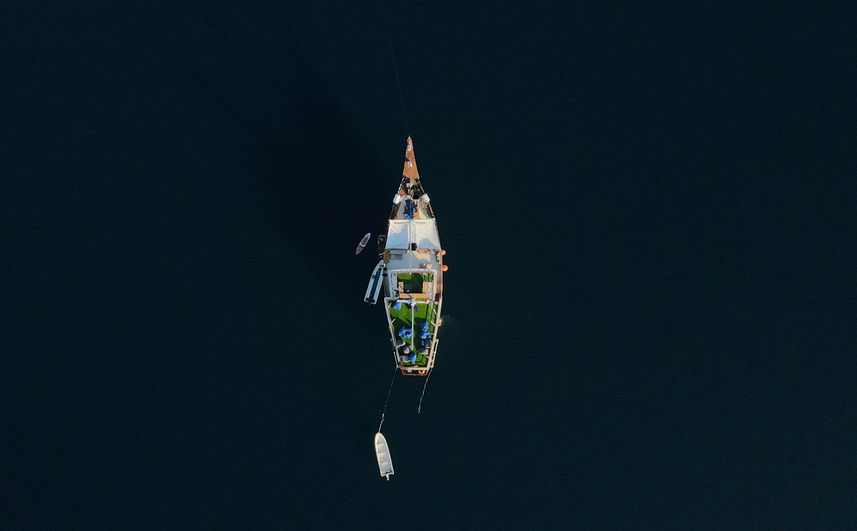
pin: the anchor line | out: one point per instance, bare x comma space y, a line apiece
395, 68
425, 384
387, 402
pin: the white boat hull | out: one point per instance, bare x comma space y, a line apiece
382, 453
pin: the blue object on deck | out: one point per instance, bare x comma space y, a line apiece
426, 333
409, 209
413, 357
406, 332
397, 305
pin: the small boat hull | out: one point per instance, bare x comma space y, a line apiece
382, 453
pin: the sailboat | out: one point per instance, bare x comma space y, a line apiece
410, 273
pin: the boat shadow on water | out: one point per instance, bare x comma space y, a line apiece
326, 190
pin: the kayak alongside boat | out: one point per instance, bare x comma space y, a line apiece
362, 244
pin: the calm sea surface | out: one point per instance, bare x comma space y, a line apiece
649, 312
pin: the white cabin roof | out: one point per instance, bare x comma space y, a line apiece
402, 232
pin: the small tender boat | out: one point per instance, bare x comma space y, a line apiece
363, 243
382, 453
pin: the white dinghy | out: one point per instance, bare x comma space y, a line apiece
382, 452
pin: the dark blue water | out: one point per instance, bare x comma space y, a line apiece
650, 229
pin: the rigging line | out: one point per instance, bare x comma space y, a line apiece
386, 402
420, 406
395, 68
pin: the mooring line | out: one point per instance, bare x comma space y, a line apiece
425, 384
395, 67
386, 402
